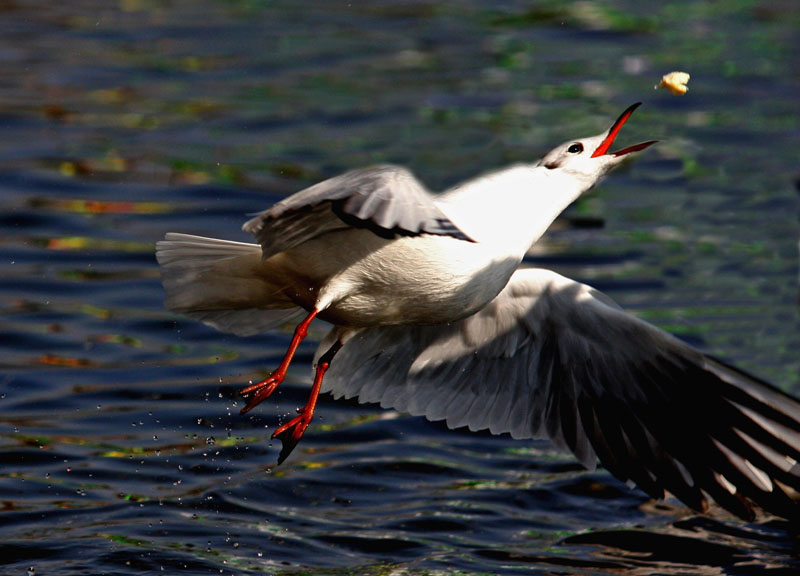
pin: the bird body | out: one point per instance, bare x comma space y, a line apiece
433, 316
366, 280
369, 283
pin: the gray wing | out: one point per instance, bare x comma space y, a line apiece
553, 357
386, 199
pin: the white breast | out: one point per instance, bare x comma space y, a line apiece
360, 279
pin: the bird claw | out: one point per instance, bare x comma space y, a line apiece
291, 432
257, 393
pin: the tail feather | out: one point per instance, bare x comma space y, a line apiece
221, 283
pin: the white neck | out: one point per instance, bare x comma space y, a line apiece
512, 207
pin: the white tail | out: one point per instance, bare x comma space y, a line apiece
220, 283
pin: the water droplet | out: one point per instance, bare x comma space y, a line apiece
210, 441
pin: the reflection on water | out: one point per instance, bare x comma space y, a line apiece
121, 445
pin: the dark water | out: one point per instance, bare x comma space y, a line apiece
121, 447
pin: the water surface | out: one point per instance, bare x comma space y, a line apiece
121, 445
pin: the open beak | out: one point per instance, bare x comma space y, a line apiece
612, 134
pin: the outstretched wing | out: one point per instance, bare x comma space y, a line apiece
385, 199
553, 357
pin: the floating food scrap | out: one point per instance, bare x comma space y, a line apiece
675, 82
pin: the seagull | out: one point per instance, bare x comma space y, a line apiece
433, 316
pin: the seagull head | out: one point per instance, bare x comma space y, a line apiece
588, 159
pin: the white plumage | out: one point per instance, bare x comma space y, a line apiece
433, 317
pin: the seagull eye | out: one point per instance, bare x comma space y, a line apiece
576, 148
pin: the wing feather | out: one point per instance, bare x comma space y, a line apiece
386, 199
552, 357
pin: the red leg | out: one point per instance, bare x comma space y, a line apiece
291, 432
260, 391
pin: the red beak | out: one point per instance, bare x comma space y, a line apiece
612, 134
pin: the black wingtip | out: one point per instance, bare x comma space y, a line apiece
447, 228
